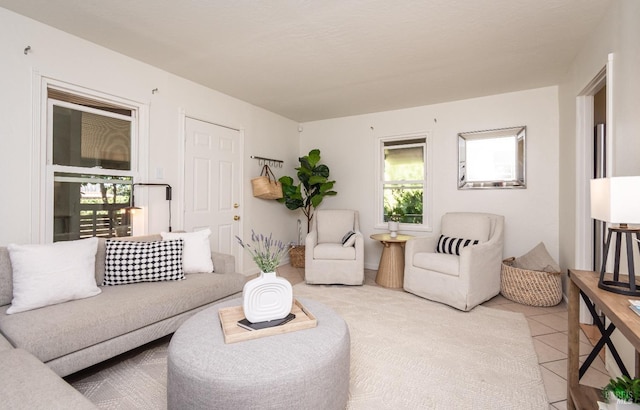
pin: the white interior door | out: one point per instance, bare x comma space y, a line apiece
212, 183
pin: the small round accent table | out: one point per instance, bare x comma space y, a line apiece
391, 268
305, 369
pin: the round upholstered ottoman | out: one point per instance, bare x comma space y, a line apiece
305, 369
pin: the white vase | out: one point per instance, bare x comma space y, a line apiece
617, 404
624, 405
393, 228
266, 297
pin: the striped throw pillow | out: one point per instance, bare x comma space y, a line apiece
453, 246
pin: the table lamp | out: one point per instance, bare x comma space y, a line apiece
617, 201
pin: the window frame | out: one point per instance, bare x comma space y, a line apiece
51, 102
427, 206
43, 147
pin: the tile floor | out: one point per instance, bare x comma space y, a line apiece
548, 329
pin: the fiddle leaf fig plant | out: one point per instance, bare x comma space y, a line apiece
313, 186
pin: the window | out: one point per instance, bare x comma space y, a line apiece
403, 182
89, 166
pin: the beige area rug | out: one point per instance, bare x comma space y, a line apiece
406, 353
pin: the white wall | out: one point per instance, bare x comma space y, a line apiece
618, 34
58, 55
348, 147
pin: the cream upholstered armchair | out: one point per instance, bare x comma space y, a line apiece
443, 269
334, 249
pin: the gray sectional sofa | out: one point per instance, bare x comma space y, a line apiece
27, 383
74, 335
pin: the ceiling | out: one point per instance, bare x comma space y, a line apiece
310, 60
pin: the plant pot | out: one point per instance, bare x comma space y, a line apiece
623, 405
613, 403
266, 297
394, 226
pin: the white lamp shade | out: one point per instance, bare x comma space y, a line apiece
616, 200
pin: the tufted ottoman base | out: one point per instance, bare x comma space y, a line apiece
305, 369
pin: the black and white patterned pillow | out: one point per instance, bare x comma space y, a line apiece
132, 262
349, 239
453, 246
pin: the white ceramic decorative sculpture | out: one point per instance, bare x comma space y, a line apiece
267, 297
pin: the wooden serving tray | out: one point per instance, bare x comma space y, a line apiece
233, 333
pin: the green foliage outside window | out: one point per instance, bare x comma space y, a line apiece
403, 206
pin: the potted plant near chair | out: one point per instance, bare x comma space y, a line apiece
623, 393
312, 187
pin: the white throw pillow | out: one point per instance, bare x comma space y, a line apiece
54, 273
196, 255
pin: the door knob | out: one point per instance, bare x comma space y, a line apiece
236, 205
236, 218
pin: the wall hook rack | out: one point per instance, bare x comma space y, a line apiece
275, 163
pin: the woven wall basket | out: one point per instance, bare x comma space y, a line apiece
266, 186
530, 287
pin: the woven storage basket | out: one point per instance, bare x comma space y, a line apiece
530, 287
296, 256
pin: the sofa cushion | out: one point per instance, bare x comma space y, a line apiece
28, 383
4, 343
334, 251
332, 224
453, 246
118, 310
466, 225
196, 257
53, 273
132, 262
437, 262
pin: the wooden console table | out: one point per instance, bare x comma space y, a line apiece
616, 308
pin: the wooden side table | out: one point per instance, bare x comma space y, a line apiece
391, 268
